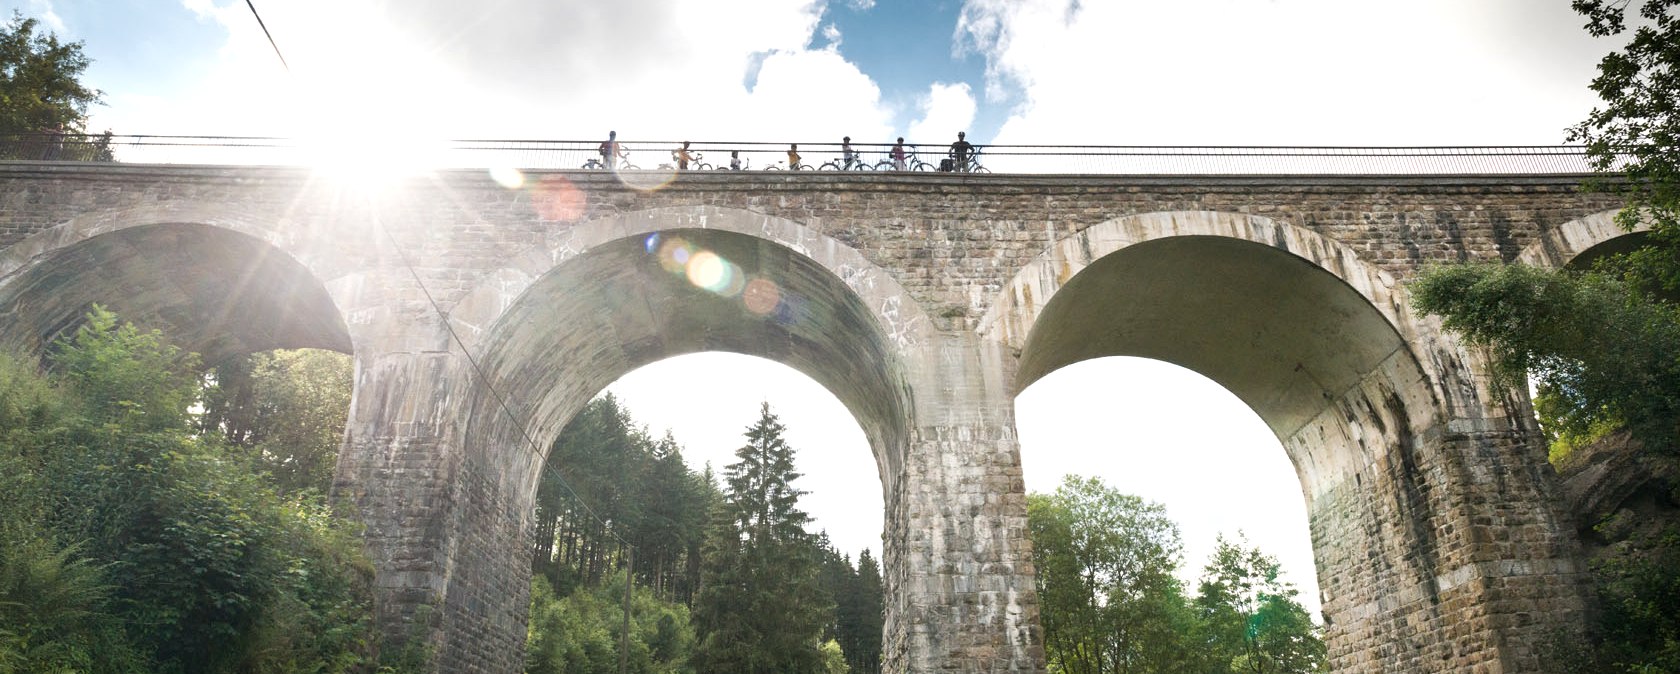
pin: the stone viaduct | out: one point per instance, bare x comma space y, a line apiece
923, 302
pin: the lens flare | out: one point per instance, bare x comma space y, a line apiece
557, 200
646, 180
674, 255
761, 296
508, 177
709, 271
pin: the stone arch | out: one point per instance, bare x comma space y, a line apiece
827, 279
1591, 236
1356, 285
219, 281
899, 315
596, 302
1323, 347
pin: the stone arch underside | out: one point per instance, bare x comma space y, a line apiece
212, 289
1362, 395
604, 310
1577, 243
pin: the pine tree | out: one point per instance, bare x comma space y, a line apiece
760, 609
865, 656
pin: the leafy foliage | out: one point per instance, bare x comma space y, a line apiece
1110, 600
1600, 350
580, 632
1250, 619
1636, 132
43, 103
176, 555
286, 409
1105, 579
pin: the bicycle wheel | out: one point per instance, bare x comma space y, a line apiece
829, 166
979, 169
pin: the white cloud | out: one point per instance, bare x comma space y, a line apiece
862, 5
521, 68
1299, 71
831, 33
43, 10
945, 110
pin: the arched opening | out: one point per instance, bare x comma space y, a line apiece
649, 460
213, 291
1307, 337
635, 300
706, 400
1168, 435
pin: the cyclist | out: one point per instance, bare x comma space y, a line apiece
961, 153
734, 160
609, 150
848, 156
898, 155
793, 156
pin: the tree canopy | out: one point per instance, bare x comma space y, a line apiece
129, 541
1110, 599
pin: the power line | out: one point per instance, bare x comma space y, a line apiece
501, 402
270, 36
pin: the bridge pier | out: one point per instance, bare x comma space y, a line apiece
957, 543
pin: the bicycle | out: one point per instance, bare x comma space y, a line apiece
969, 165
696, 162
595, 164
843, 164
914, 162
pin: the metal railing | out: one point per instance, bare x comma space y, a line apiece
760, 156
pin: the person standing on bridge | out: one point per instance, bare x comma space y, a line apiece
734, 160
793, 156
683, 157
848, 156
609, 151
961, 152
898, 155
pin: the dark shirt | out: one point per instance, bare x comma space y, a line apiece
960, 151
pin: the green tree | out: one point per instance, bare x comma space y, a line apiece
1250, 620
141, 522
1109, 601
579, 633
286, 409
43, 103
760, 609
1599, 350
865, 653
833, 658
1635, 132
1602, 343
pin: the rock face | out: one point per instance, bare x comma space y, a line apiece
1618, 492
482, 318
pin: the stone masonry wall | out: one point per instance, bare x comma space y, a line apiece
1450, 555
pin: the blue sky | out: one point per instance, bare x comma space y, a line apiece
1202, 72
